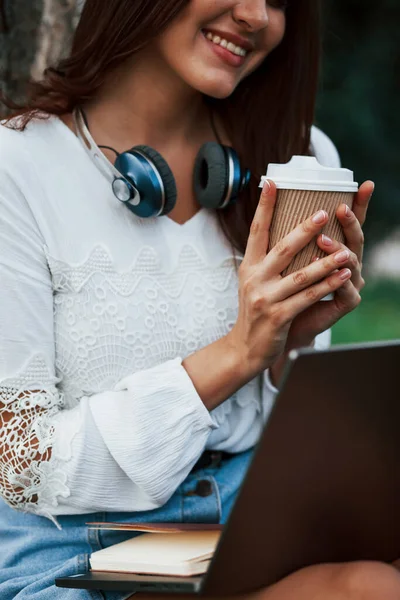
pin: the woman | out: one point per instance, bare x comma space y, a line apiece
131, 345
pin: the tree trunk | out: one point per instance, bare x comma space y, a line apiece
34, 34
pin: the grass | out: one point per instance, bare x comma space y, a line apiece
377, 317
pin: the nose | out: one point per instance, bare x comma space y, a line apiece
251, 14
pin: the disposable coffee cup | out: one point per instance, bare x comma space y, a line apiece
304, 187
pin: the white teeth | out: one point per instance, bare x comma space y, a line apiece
216, 39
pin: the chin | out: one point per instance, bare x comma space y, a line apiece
219, 92
215, 87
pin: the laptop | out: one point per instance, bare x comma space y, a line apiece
323, 485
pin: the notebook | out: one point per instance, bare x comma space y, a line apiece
181, 553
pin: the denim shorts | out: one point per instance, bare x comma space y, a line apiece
34, 552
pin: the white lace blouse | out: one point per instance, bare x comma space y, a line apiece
98, 308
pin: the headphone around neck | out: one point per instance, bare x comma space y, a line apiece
142, 180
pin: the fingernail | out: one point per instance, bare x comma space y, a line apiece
345, 274
315, 259
326, 240
342, 256
266, 187
373, 188
320, 217
348, 211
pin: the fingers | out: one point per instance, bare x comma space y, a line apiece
313, 273
352, 230
293, 306
330, 246
362, 199
283, 253
346, 299
257, 244
353, 220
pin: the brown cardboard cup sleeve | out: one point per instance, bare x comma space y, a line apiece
305, 187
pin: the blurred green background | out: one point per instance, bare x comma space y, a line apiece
358, 107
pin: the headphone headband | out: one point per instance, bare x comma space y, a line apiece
106, 167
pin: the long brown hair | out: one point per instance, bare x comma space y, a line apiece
268, 117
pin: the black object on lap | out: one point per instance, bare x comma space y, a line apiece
323, 485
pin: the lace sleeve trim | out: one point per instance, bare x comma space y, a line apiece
31, 478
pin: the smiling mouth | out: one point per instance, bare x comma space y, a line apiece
220, 41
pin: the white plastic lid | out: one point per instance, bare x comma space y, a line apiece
306, 173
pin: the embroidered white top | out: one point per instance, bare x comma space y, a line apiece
97, 311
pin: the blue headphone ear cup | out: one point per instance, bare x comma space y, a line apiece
210, 176
165, 174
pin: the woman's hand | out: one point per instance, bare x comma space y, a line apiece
352, 222
323, 315
268, 303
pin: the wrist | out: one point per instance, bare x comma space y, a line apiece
216, 371
247, 365
238, 358
276, 370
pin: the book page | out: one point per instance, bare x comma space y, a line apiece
161, 548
